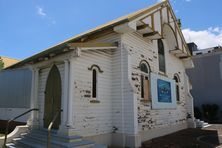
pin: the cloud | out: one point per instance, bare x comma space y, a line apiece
40, 11
50, 20
187, 0
210, 37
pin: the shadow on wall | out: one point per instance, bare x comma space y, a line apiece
208, 112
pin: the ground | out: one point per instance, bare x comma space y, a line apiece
189, 138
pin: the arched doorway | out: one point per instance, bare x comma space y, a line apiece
53, 92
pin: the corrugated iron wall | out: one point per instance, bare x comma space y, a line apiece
15, 88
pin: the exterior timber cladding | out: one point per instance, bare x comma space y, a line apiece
118, 115
119, 92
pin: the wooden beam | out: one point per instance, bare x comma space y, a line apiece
92, 45
184, 57
152, 21
141, 27
150, 34
161, 21
168, 15
98, 48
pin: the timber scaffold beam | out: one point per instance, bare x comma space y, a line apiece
152, 26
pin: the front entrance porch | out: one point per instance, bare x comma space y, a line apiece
50, 94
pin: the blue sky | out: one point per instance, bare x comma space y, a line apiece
30, 26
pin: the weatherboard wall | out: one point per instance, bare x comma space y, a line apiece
141, 49
91, 117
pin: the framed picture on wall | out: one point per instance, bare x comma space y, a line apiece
163, 92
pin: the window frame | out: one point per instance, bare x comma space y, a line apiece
94, 83
97, 70
143, 76
161, 54
176, 78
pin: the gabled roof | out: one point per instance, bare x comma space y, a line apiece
59, 47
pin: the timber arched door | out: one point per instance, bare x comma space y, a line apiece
53, 93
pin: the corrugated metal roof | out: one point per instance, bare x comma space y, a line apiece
108, 25
8, 61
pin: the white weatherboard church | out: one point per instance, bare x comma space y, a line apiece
119, 84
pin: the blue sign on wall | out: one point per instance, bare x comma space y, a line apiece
164, 91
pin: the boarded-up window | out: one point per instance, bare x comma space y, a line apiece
145, 81
161, 56
146, 89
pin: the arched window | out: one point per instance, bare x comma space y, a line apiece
145, 80
95, 71
94, 83
177, 80
161, 56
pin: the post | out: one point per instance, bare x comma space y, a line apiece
49, 139
32, 102
35, 96
66, 92
71, 90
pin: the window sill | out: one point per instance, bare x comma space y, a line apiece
145, 101
94, 101
162, 74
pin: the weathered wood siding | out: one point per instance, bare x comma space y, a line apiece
43, 75
98, 118
92, 118
140, 49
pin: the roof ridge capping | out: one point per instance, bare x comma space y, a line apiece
115, 22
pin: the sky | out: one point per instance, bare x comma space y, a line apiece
30, 26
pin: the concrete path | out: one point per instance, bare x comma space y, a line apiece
189, 138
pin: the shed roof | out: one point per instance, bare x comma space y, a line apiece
8, 61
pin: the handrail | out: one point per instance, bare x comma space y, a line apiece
50, 127
7, 126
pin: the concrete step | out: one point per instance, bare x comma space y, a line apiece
23, 134
38, 139
43, 140
201, 124
10, 145
206, 125
29, 144
55, 136
197, 120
